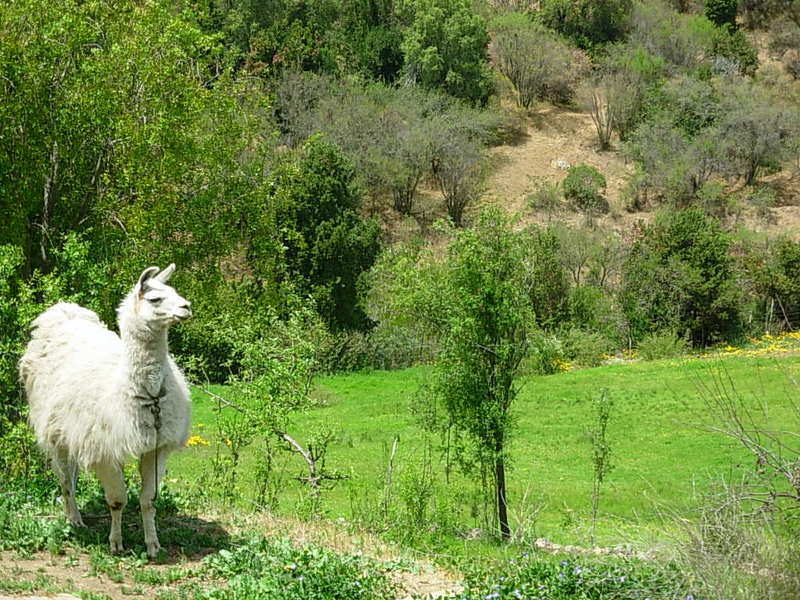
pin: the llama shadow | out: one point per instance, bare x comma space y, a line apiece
182, 536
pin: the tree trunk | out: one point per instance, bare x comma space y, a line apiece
500, 489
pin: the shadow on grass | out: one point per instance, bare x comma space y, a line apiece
181, 534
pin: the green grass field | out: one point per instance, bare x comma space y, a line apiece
663, 459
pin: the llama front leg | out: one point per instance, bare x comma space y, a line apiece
67, 471
113, 480
151, 468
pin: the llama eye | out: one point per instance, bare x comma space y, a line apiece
154, 300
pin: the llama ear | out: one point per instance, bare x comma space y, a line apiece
144, 278
164, 276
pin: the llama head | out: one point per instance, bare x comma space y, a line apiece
157, 303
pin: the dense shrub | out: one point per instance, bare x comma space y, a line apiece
672, 165
584, 187
586, 348
780, 280
628, 74
679, 276
313, 208
662, 344
446, 46
536, 61
722, 12
683, 41
756, 132
550, 285
280, 569
587, 22
732, 44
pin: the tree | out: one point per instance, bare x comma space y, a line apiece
755, 132
459, 167
485, 332
536, 62
588, 22
679, 276
446, 46
311, 217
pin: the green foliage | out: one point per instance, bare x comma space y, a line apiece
585, 348
662, 344
446, 46
756, 133
321, 36
546, 355
588, 23
479, 302
679, 276
584, 187
537, 576
681, 41
779, 279
313, 206
671, 164
24, 527
731, 43
279, 569
722, 12
547, 197
537, 62
601, 448
548, 280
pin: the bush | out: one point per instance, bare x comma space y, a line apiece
546, 197
679, 276
755, 133
662, 344
682, 41
279, 569
585, 348
537, 62
445, 47
722, 12
537, 575
671, 164
731, 43
550, 286
594, 309
627, 76
587, 22
313, 210
584, 187
546, 356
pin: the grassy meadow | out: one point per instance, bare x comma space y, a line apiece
664, 457
409, 531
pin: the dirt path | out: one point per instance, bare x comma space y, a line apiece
556, 139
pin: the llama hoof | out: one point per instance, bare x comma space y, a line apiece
153, 548
77, 522
116, 546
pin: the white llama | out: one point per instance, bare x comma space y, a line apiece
97, 399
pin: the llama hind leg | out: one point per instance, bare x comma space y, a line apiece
151, 468
67, 471
113, 480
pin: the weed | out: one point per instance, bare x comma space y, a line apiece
601, 450
261, 568
532, 576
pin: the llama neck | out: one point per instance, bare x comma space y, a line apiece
146, 354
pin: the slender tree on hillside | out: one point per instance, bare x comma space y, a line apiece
479, 302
